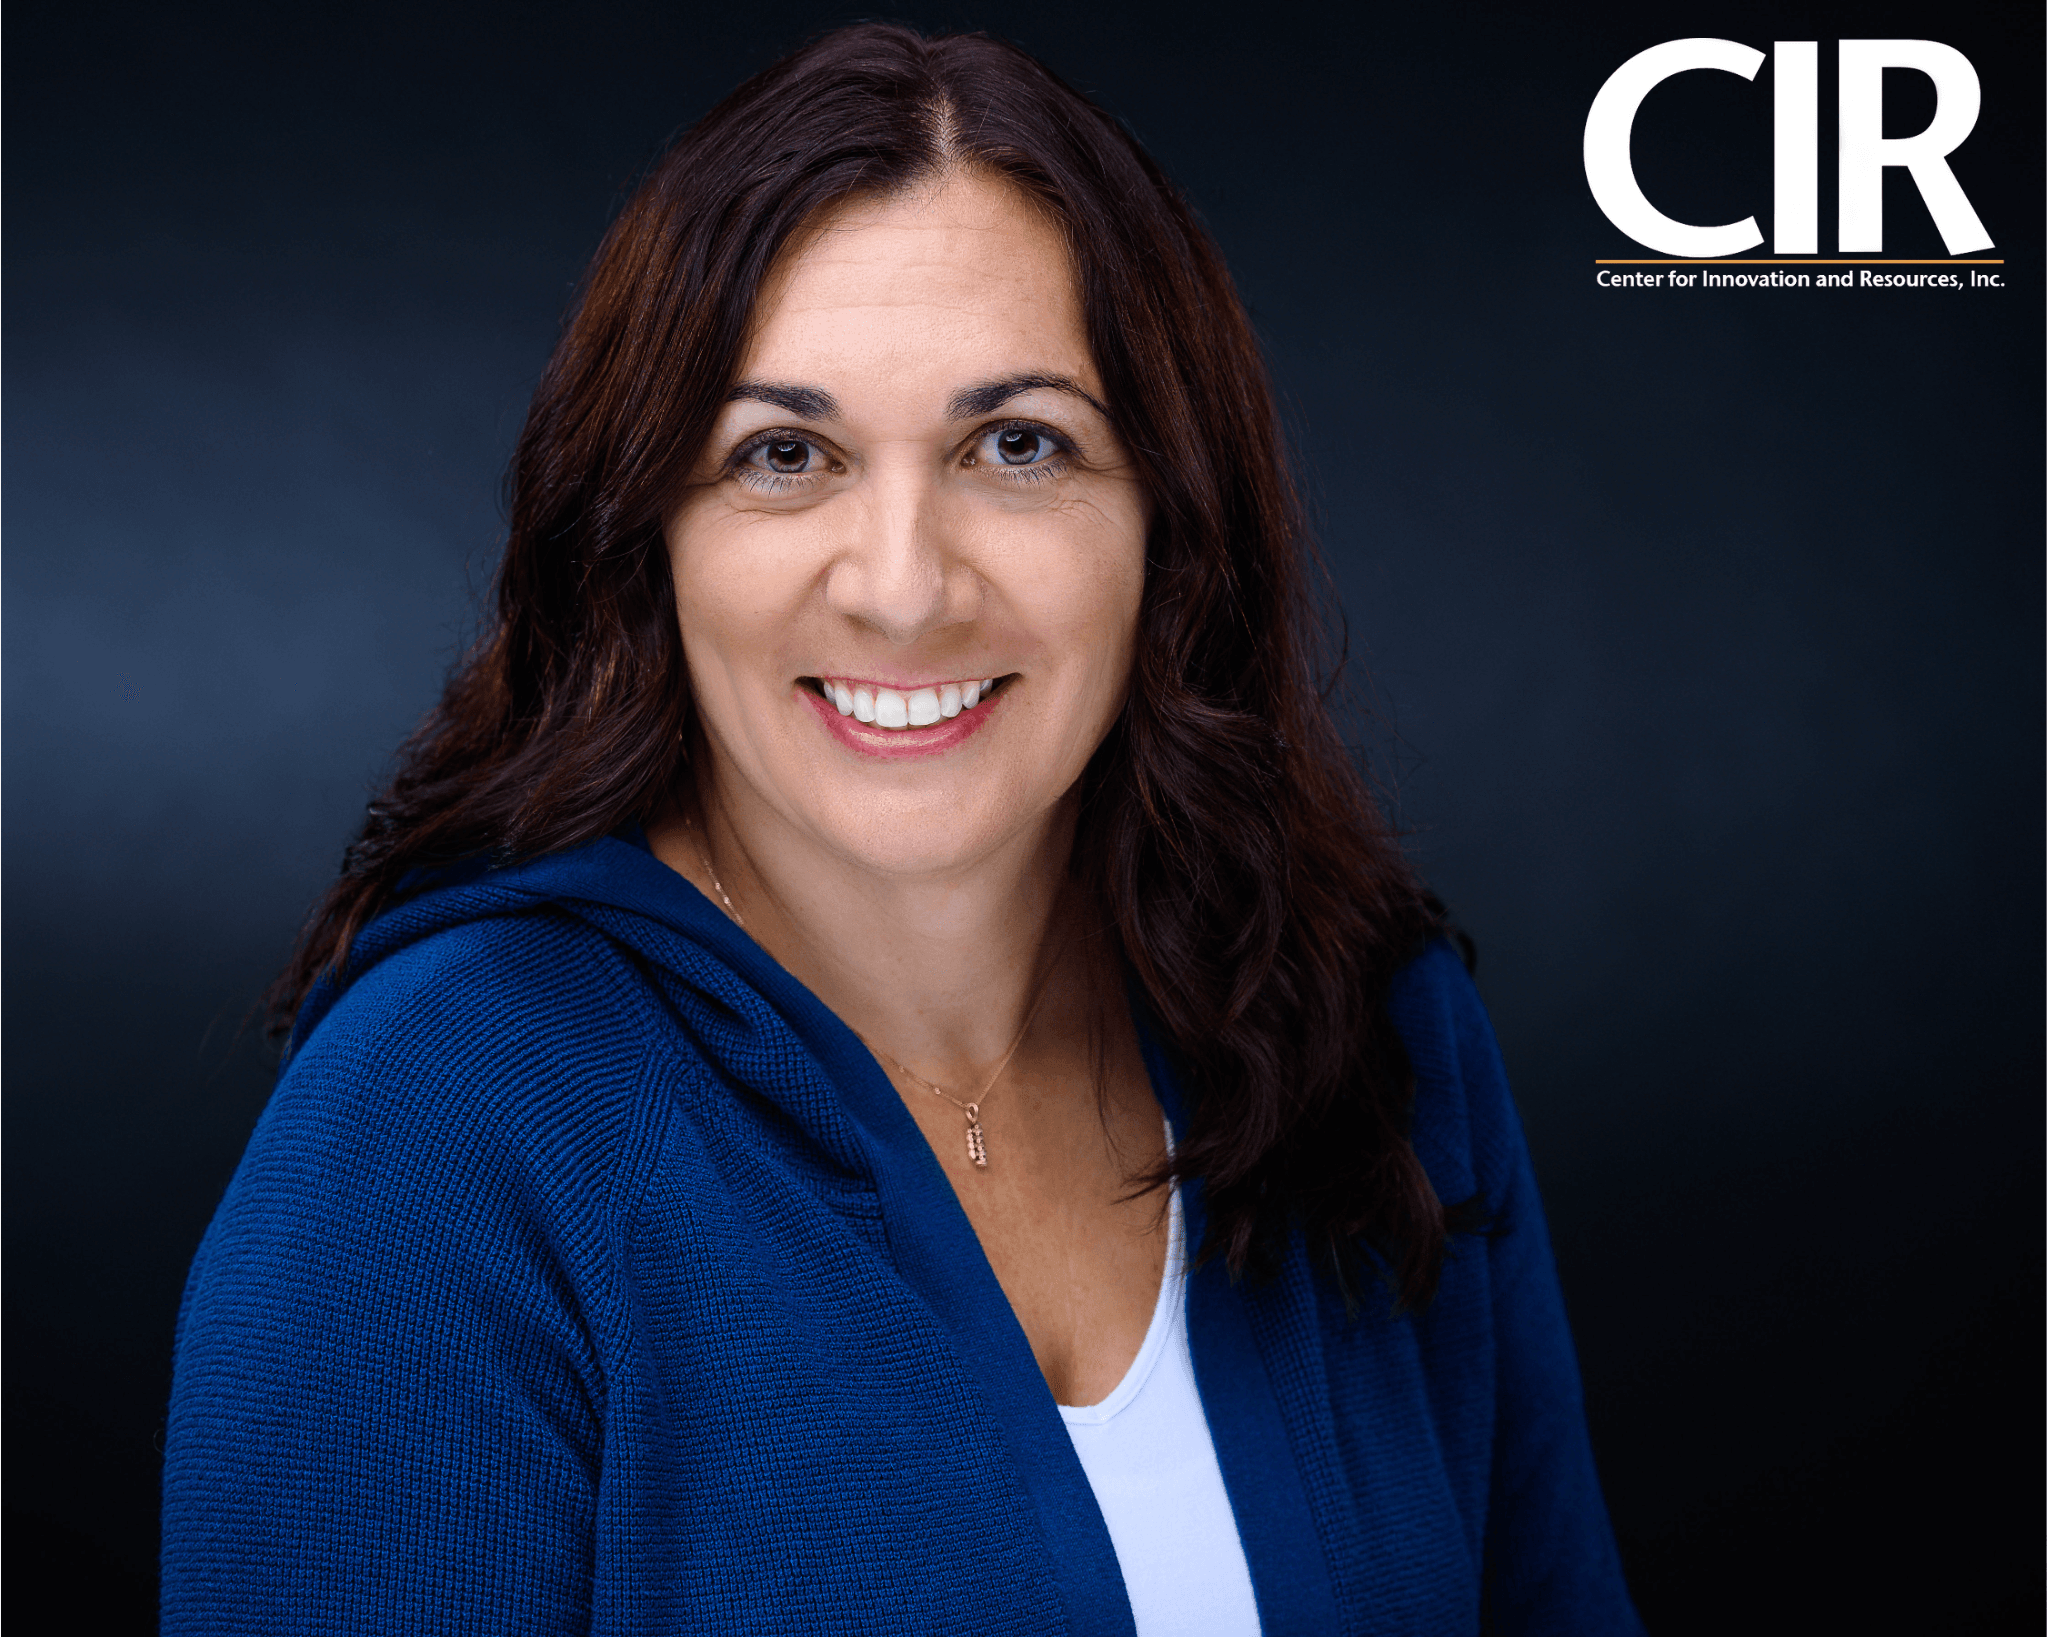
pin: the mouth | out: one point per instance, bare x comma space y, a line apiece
900, 724
903, 710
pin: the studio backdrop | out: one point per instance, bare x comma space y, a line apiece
1681, 497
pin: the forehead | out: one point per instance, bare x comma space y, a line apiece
963, 277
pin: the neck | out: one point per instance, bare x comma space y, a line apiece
939, 970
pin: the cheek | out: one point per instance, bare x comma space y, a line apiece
730, 595
1099, 585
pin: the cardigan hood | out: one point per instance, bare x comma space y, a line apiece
708, 992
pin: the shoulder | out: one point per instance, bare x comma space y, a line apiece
511, 1050
423, 1238
1465, 1131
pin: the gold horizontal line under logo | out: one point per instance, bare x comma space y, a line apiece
1796, 261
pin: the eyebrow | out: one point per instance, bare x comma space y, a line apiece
816, 404
992, 395
806, 403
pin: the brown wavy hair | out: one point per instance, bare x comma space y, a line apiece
1261, 899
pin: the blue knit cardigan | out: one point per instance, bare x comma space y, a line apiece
584, 1274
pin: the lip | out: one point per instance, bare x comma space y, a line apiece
906, 684
902, 744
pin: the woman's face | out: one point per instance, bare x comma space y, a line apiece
909, 562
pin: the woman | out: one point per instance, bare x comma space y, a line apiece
883, 902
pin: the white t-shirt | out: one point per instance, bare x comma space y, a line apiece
1148, 1455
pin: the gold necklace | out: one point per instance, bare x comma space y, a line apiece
704, 855
977, 1140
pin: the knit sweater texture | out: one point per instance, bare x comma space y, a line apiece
585, 1275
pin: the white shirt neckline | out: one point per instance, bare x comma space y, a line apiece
1149, 1458
1165, 1312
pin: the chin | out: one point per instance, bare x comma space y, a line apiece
917, 837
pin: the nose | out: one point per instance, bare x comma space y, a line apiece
897, 570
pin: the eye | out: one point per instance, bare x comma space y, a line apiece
784, 456
1019, 445
775, 460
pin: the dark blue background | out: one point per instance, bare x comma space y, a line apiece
1703, 632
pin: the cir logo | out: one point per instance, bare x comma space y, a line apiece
1864, 153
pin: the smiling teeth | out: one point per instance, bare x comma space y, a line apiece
894, 708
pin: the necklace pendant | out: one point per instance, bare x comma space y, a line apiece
977, 1150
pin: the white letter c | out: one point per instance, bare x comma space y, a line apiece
1613, 179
